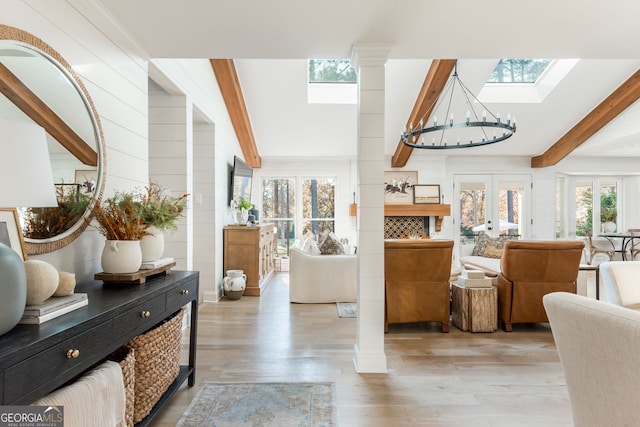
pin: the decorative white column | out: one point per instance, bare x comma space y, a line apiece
369, 60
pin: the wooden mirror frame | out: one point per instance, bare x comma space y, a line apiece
41, 246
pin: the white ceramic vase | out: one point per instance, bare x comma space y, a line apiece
152, 245
234, 284
609, 227
121, 256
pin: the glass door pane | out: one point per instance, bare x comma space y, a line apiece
511, 199
473, 207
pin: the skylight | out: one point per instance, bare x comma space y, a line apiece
519, 70
331, 71
332, 81
524, 80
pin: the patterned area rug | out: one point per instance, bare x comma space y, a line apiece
347, 309
262, 404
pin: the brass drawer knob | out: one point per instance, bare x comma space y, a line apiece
73, 353
185, 292
145, 313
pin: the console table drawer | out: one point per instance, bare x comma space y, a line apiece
182, 295
63, 361
144, 316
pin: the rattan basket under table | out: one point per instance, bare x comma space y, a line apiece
125, 357
157, 363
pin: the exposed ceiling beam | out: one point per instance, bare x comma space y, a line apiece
27, 101
225, 72
435, 81
625, 95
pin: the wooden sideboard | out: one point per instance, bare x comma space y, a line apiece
251, 249
34, 359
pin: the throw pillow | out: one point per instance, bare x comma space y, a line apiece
309, 244
331, 246
492, 251
483, 240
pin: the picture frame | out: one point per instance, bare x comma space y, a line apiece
426, 194
88, 179
11, 232
398, 186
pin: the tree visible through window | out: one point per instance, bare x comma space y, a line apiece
278, 207
318, 204
331, 71
519, 70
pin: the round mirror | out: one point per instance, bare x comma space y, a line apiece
37, 84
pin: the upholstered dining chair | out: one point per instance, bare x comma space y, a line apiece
416, 276
594, 247
531, 269
635, 243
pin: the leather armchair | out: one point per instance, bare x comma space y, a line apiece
417, 285
530, 270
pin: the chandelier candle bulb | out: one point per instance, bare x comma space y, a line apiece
435, 121
451, 120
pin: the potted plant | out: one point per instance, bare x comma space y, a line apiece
243, 207
118, 221
160, 211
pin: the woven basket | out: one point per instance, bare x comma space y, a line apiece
125, 357
157, 363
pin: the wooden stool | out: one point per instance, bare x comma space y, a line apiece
474, 309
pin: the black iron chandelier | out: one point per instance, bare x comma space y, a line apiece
476, 130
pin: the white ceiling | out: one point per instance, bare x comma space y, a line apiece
270, 42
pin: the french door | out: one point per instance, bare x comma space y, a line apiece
498, 205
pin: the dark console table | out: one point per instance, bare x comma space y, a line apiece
37, 359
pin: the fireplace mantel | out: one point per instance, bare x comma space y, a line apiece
439, 211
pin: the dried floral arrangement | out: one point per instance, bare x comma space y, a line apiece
117, 218
42, 223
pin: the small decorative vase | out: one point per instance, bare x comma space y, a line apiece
234, 284
152, 245
243, 216
14, 288
121, 256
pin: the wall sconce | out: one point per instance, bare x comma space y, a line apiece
26, 180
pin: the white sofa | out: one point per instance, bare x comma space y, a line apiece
322, 278
490, 266
598, 344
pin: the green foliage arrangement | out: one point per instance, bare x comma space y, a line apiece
156, 208
243, 203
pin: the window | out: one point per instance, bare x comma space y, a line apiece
318, 204
592, 205
303, 204
278, 207
518, 70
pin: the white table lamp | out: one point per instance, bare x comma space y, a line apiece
26, 180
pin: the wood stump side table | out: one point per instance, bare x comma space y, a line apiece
474, 309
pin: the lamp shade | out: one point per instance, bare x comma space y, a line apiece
25, 166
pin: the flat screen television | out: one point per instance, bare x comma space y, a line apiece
240, 182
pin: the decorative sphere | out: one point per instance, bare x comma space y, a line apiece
66, 285
42, 281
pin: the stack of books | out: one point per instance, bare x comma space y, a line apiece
474, 279
52, 308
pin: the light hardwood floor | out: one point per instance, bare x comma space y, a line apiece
434, 379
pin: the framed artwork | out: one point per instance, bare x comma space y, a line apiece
87, 179
11, 232
398, 186
426, 193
